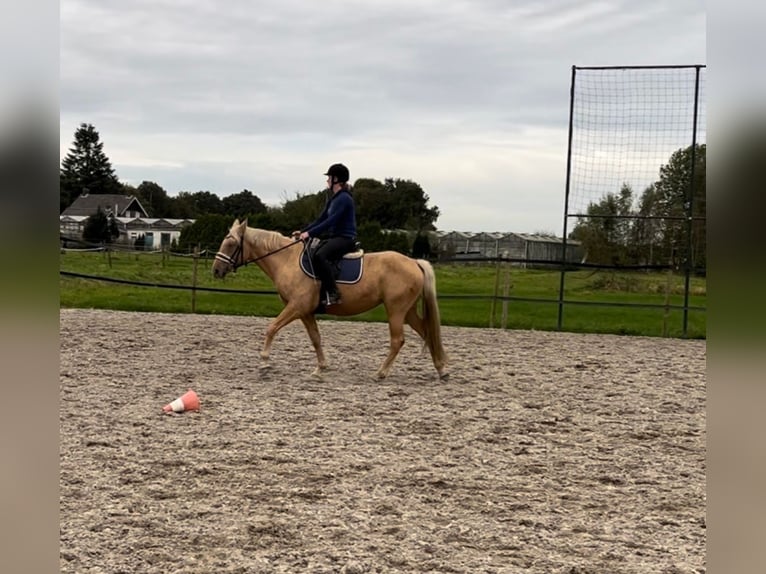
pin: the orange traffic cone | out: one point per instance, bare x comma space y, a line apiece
189, 401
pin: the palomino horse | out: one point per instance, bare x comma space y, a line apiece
390, 278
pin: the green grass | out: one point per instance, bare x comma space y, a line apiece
453, 281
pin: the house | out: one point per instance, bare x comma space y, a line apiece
158, 232
131, 217
110, 203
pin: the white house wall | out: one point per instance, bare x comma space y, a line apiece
130, 229
152, 237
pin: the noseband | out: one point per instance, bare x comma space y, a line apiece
232, 260
239, 252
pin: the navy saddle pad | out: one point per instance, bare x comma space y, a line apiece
350, 269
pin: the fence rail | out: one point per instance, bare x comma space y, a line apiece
440, 296
500, 296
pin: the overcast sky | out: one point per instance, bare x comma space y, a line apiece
468, 98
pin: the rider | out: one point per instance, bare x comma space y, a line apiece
337, 223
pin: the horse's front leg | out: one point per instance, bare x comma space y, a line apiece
310, 322
287, 316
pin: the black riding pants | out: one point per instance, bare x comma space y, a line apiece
330, 250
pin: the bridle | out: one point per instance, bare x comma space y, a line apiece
239, 253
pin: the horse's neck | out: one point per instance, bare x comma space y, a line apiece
265, 248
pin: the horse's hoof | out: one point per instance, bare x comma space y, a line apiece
443, 376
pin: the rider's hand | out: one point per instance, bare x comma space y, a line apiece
304, 236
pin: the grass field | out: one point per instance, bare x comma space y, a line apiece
456, 284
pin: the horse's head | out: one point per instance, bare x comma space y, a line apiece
231, 253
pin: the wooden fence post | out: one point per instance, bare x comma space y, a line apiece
194, 279
506, 289
494, 296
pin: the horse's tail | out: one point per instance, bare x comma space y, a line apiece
431, 317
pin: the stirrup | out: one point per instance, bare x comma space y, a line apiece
333, 299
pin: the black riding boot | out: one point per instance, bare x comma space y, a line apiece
330, 250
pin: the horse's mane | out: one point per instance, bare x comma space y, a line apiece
270, 240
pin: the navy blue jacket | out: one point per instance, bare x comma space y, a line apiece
338, 219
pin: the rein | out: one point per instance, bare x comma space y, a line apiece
239, 251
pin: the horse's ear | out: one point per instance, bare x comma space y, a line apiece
236, 222
243, 227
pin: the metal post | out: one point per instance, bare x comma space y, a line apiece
690, 204
666, 314
560, 321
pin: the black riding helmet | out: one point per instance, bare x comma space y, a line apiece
338, 172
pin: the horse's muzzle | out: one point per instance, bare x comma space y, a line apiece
223, 264
221, 269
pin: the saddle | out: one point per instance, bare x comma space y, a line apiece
348, 269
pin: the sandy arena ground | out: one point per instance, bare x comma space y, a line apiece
542, 453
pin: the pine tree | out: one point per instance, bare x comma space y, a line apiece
86, 168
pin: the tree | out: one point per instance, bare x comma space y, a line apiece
412, 203
193, 205
100, 228
207, 231
86, 168
396, 241
155, 199
242, 204
660, 233
206, 203
421, 247
370, 235
373, 202
182, 206
605, 236
394, 204
672, 193
645, 235
272, 219
373, 238
299, 212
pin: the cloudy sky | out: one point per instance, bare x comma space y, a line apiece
468, 98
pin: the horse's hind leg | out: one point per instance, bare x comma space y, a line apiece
414, 321
418, 324
396, 330
310, 322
